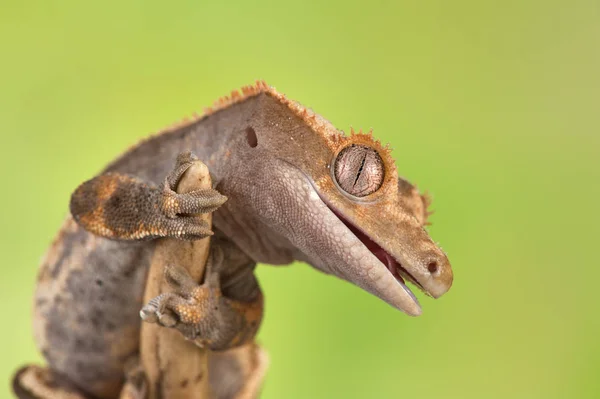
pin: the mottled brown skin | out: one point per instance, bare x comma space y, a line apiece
275, 162
124, 207
201, 312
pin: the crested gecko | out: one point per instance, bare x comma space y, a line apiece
288, 186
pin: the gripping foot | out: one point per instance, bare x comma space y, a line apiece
201, 312
123, 207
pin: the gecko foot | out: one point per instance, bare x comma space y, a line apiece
200, 311
191, 203
136, 384
124, 207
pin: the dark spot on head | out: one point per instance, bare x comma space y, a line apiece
198, 378
432, 267
359, 170
99, 283
184, 383
251, 137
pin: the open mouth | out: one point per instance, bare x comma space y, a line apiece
400, 273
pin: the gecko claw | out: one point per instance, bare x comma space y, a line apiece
148, 314
176, 205
201, 312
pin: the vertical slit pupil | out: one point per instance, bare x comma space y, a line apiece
251, 137
362, 165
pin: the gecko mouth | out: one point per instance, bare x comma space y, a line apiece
395, 268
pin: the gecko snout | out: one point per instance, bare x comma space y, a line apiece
438, 275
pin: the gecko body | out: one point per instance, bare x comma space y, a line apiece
287, 186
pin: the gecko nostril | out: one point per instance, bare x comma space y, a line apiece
432, 267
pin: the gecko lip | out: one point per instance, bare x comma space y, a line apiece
395, 268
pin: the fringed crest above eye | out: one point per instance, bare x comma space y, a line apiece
416, 202
426, 198
335, 138
342, 141
315, 121
236, 96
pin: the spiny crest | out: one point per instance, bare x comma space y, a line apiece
368, 140
335, 138
426, 198
237, 96
234, 97
315, 121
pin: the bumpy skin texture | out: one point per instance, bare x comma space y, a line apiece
274, 160
201, 312
124, 207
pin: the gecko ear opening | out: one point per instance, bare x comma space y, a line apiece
251, 137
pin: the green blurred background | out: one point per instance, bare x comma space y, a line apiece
493, 107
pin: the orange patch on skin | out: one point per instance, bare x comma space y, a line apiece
426, 199
252, 313
201, 294
106, 186
189, 314
93, 221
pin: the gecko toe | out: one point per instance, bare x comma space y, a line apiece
167, 319
148, 314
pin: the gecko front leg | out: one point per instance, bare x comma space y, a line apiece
201, 312
123, 207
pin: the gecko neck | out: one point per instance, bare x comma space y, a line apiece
220, 140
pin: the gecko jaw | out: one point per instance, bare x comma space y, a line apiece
394, 267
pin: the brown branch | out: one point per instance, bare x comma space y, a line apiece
176, 368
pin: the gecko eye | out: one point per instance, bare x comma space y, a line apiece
359, 170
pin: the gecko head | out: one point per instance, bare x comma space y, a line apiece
385, 242
351, 216
302, 190
388, 215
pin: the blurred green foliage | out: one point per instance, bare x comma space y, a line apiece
491, 106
